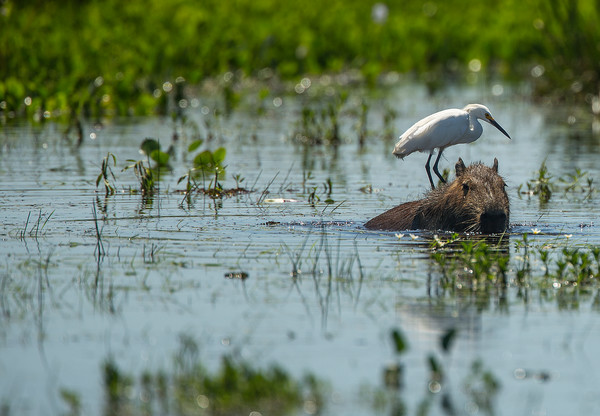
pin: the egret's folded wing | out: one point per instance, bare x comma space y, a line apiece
437, 130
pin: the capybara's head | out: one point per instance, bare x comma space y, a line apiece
475, 201
478, 199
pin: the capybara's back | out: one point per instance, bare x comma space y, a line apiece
476, 201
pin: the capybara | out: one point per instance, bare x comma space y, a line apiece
475, 201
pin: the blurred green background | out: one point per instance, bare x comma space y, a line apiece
91, 57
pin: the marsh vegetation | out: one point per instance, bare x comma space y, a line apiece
212, 259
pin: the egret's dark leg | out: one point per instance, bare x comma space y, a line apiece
429, 171
435, 166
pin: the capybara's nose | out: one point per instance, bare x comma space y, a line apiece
493, 222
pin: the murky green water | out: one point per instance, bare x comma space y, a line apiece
164, 273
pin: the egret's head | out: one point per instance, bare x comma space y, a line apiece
480, 111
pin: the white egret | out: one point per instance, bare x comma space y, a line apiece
442, 129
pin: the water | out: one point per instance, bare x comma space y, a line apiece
65, 309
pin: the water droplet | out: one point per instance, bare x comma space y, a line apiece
520, 374
27, 101
202, 401
537, 71
434, 386
167, 86
497, 90
429, 9
277, 102
379, 13
475, 65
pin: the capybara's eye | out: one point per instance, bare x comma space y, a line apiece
465, 187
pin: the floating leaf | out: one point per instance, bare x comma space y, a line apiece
149, 145
195, 144
437, 372
399, 342
447, 339
219, 155
204, 159
160, 157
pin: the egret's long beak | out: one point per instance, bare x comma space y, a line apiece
494, 123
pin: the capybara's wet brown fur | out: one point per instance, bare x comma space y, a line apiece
475, 201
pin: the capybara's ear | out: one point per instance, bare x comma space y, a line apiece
495, 167
460, 167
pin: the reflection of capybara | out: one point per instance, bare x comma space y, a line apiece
475, 201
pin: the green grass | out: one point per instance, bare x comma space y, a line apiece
237, 387
94, 58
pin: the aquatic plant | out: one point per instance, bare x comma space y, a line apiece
209, 165
544, 185
151, 54
320, 124
469, 264
73, 401
144, 174
541, 186
235, 388
151, 148
37, 228
574, 184
106, 174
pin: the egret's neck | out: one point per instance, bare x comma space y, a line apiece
475, 128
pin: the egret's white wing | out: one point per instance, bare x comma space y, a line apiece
437, 130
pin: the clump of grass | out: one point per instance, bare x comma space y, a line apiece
235, 388
469, 264
321, 126
579, 182
37, 228
208, 165
541, 186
